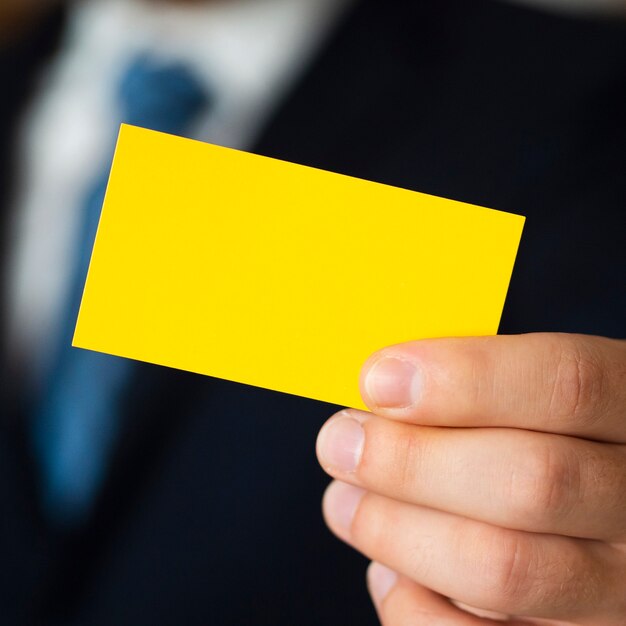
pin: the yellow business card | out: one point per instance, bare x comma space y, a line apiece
273, 274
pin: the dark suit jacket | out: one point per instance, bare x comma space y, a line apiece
211, 514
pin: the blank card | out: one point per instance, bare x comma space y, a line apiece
273, 274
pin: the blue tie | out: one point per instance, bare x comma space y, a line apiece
77, 419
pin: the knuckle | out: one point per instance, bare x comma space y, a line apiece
479, 373
370, 525
365, 528
507, 566
512, 565
379, 530
577, 382
544, 485
522, 575
409, 454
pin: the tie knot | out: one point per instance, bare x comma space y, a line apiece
161, 96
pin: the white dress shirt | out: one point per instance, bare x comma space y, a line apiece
247, 52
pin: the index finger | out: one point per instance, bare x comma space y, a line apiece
550, 382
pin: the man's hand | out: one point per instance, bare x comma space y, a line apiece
491, 473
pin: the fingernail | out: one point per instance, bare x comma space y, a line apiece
340, 504
393, 383
380, 581
340, 444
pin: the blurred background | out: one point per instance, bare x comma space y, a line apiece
132, 494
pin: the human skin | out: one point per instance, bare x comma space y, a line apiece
490, 473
